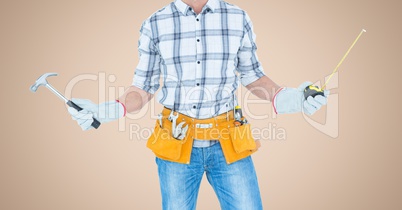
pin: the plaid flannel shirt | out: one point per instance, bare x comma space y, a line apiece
200, 57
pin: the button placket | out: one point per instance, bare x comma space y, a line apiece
199, 50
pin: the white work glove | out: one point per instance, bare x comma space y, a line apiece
104, 112
291, 100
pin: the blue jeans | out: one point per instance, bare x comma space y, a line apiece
235, 185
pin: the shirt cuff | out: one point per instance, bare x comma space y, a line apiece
248, 79
146, 88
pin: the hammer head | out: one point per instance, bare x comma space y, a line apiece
41, 81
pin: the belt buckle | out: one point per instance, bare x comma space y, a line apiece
203, 125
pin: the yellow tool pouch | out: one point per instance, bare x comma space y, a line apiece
166, 147
242, 139
237, 142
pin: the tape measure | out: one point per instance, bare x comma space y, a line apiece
313, 90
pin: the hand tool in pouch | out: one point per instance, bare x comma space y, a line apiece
178, 132
42, 81
238, 114
313, 90
160, 119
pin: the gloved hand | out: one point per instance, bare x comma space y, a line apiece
104, 112
291, 100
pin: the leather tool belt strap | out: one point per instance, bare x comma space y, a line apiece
236, 141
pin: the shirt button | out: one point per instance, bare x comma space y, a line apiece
190, 9
198, 19
198, 40
198, 84
198, 62
194, 107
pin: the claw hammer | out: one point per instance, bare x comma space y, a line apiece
42, 81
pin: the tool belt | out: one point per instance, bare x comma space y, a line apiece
236, 141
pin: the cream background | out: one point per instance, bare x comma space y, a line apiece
47, 162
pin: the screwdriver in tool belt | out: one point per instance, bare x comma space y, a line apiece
313, 90
239, 119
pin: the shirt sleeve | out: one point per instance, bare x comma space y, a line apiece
248, 65
147, 72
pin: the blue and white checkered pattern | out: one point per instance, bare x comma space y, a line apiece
200, 57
